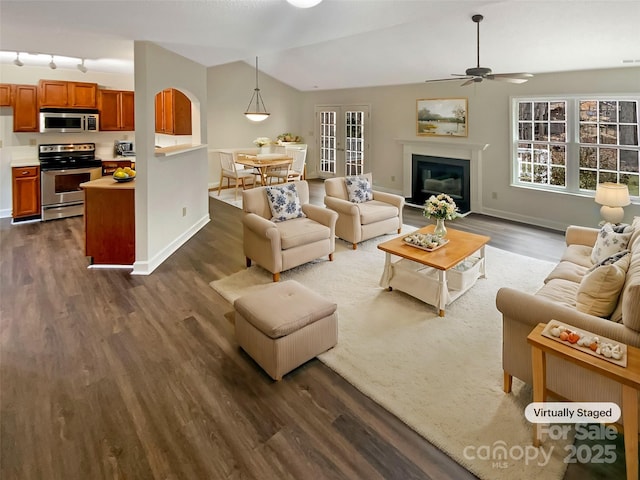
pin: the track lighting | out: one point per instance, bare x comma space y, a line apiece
52, 64
257, 115
17, 62
81, 67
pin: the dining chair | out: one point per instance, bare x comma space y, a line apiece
295, 172
232, 171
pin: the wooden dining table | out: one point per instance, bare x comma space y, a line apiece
262, 163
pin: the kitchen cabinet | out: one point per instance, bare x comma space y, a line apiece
109, 221
5, 95
25, 108
116, 110
60, 94
26, 192
173, 112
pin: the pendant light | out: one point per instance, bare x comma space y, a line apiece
52, 64
17, 61
256, 115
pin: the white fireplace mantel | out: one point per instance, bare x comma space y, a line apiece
448, 149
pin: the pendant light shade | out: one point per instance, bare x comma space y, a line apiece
17, 61
52, 64
81, 67
256, 111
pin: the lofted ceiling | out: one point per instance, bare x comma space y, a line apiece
338, 43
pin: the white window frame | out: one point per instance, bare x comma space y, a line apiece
572, 178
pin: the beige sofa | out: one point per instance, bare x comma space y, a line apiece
361, 221
279, 246
557, 300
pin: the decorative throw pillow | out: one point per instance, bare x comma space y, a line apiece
284, 203
359, 189
610, 259
609, 243
599, 290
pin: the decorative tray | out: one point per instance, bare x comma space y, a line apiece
425, 241
604, 348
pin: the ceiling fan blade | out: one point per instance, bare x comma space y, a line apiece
506, 78
472, 80
445, 79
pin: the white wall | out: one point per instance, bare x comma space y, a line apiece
393, 114
167, 186
229, 90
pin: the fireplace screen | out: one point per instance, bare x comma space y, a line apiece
435, 175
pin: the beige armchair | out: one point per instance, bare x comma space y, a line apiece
280, 245
361, 221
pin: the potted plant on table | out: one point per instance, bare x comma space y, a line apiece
441, 207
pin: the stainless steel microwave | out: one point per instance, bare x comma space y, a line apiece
68, 121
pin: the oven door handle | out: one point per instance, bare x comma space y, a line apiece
72, 170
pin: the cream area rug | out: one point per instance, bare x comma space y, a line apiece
441, 376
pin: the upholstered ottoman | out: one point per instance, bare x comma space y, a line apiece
284, 325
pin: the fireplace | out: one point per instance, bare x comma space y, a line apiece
470, 153
433, 175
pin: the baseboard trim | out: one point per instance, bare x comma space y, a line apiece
147, 267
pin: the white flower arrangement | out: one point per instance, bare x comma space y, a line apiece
440, 206
262, 141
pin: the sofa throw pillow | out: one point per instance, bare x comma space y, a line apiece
608, 243
610, 259
284, 203
599, 289
359, 189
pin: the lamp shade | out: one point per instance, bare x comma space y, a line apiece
304, 3
612, 194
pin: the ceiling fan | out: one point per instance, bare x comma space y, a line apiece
477, 74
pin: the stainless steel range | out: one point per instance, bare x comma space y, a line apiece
64, 167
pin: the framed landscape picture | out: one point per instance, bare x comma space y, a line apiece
441, 117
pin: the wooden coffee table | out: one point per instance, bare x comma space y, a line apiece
429, 276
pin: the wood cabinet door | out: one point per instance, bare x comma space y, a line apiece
25, 108
83, 95
127, 114
159, 113
181, 113
109, 110
26, 191
5, 95
167, 107
53, 93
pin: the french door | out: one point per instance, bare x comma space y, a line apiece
343, 139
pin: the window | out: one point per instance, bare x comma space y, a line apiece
572, 144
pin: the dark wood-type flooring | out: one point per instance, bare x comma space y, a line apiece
105, 375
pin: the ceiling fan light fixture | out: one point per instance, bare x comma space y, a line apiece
257, 112
304, 3
81, 67
17, 62
52, 64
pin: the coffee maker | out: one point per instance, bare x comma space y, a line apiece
123, 148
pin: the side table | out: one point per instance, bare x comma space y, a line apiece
628, 377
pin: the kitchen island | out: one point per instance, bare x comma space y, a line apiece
109, 220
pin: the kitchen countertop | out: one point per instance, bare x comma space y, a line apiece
118, 159
109, 182
25, 162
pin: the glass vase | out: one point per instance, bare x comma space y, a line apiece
440, 230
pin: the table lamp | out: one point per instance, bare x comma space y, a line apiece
612, 197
